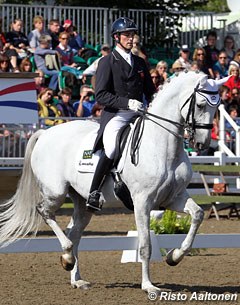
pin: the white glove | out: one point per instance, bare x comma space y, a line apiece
135, 105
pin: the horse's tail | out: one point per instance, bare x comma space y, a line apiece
19, 216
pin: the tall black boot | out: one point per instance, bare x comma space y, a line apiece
103, 167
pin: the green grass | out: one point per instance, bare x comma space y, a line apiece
205, 199
215, 168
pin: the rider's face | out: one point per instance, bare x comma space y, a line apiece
126, 39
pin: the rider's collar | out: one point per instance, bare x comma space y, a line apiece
125, 55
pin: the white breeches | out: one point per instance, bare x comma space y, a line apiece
112, 128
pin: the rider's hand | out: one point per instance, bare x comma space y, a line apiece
135, 105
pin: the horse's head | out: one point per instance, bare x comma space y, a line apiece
199, 109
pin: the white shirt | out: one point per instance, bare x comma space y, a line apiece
125, 55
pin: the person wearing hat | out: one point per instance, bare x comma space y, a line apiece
122, 79
75, 39
184, 57
176, 67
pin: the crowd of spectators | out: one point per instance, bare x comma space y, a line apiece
60, 53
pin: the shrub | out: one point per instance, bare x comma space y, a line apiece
170, 223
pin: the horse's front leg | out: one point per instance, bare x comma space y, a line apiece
176, 255
142, 218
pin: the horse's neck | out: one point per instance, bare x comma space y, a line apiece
165, 132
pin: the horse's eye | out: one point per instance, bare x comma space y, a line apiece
200, 106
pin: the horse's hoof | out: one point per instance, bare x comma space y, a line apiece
169, 259
81, 284
68, 266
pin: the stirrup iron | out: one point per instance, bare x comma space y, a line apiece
93, 204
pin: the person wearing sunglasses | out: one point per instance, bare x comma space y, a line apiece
199, 56
4, 63
46, 108
220, 68
66, 55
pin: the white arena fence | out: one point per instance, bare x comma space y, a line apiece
14, 138
127, 244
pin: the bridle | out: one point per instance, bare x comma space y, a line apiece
189, 125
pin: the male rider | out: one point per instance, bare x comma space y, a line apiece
122, 82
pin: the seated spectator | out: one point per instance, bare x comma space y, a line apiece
25, 65
237, 57
17, 39
214, 137
220, 68
66, 56
234, 113
91, 70
225, 95
156, 78
65, 51
84, 106
162, 68
4, 63
39, 81
39, 56
47, 109
235, 94
195, 66
211, 52
233, 81
64, 105
34, 35
75, 40
53, 31
229, 48
176, 67
184, 57
199, 55
97, 111
137, 49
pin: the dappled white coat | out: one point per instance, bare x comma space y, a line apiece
158, 179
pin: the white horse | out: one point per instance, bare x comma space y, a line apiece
159, 178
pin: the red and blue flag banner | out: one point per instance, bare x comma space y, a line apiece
18, 101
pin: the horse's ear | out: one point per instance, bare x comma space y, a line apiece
203, 80
220, 82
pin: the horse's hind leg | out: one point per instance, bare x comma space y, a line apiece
47, 209
176, 255
78, 223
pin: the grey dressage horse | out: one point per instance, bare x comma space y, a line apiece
158, 179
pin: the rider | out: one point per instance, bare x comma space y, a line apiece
121, 81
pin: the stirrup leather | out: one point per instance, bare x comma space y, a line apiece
93, 203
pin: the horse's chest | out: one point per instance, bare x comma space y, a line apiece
175, 181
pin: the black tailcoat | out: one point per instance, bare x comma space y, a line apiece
116, 83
